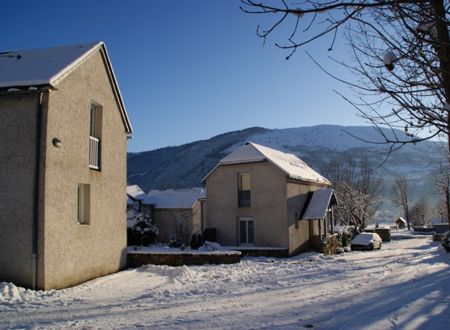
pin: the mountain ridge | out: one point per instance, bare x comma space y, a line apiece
185, 165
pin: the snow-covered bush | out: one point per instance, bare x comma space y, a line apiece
176, 242
345, 235
446, 241
142, 230
210, 246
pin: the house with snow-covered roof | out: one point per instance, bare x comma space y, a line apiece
265, 198
178, 213
400, 223
63, 132
138, 200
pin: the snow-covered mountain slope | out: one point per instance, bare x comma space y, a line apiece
184, 166
334, 137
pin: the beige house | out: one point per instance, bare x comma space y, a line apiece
63, 133
178, 212
265, 198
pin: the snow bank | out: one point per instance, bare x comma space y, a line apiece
207, 249
9, 293
405, 285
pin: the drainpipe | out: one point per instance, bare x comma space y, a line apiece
36, 192
201, 216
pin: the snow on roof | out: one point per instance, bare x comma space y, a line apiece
40, 66
319, 203
290, 164
401, 220
136, 193
176, 199
45, 67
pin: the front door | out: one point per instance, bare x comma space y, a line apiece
246, 231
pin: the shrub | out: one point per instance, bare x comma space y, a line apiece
143, 231
345, 236
331, 245
196, 241
176, 242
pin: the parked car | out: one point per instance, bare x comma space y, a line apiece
367, 241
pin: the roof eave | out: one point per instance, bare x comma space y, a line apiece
69, 68
24, 90
123, 111
303, 180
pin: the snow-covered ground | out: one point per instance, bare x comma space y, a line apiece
404, 285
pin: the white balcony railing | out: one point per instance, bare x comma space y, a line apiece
94, 153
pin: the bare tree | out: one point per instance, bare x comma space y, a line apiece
419, 212
401, 193
357, 189
400, 50
441, 178
181, 218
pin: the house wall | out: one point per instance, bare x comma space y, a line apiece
74, 253
166, 221
18, 118
299, 235
197, 217
268, 204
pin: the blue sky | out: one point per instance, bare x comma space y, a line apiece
188, 70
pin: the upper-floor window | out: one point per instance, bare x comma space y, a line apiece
243, 189
95, 137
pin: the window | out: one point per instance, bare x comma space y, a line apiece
243, 189
84, 197
95, 136
246, 231
296, 220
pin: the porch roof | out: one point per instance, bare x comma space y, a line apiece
319, 203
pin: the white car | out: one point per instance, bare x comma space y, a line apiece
366, 241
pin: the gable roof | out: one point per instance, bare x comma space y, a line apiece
46, 67
290, 164
177, 199
319, 203
135, 192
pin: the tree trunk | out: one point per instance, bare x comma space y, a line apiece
444, 59
407, 218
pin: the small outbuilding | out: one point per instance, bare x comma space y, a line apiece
400, 223
177, 213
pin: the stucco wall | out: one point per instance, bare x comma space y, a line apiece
166, 221
74, 253
197, 217
17, 173
268, 204
296, 198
